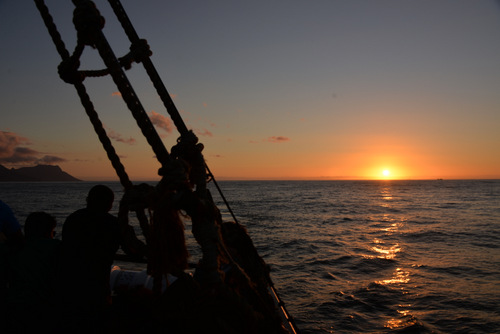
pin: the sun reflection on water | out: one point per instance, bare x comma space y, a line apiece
389, 253
386, 195
383, 252
400, 277
406, 321
392, 228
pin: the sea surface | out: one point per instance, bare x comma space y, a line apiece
354, 256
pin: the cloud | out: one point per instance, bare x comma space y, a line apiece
8, 143
13, 151
20, 155
118, 137
273, 139
203, 132
50, 159
162, 122
278, 139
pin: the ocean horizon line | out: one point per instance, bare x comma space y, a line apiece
220, 179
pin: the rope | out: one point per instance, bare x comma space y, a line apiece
49, 23
138, 52
84, 97
149, 67
121, 81
226, 203
161, 89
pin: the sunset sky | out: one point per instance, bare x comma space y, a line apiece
289, 89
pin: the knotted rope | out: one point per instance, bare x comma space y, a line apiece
84, 97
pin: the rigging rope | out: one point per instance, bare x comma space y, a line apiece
94, 36
161, 89
149, 67
84, 97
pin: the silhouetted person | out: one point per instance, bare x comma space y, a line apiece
9, 226
11, 239
11, 235
90, 239
32, 298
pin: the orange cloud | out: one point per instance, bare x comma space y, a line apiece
116, 94
118, 137
161, 122
277, 139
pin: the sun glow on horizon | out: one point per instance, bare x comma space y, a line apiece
386, 174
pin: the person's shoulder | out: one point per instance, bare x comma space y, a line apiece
111, 219
75, 220
77, 214
83, 211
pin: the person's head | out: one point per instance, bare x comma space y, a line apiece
39, 224
100, 198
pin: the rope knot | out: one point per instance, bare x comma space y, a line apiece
87, 21
140, 50
68, 70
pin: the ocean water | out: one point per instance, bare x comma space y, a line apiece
355, 256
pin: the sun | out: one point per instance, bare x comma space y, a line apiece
386, 172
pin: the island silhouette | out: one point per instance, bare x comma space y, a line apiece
39, 173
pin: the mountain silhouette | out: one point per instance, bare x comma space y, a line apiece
40, 173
